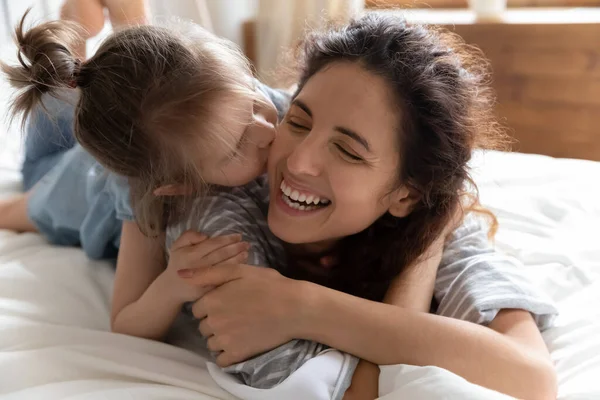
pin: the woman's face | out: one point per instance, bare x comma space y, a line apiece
333, 168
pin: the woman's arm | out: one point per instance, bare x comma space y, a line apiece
413, 290
508, 356
473, 282
511, 357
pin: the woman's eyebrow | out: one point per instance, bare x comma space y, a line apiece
353, 135
344, 131
300, 104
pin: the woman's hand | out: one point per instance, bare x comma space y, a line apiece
252, 310
193, 250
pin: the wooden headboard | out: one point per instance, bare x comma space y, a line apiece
546, 66
546, 72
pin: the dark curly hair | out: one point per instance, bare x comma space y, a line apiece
441, 87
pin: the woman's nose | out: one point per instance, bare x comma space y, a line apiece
305, 159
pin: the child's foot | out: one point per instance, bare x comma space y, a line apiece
90, 15
87, 13
13, 214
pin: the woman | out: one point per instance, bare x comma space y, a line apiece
366, 172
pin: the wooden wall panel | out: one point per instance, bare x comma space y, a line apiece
547, 77
464, 3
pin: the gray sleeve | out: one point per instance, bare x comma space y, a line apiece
474, 281
271, 368
227, 213
238, 212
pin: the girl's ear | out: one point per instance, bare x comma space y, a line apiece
402, 202
173, 190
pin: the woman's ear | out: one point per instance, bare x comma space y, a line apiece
173, 190
402, 202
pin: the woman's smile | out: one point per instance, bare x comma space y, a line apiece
298, 201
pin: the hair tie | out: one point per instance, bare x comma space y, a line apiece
76, 70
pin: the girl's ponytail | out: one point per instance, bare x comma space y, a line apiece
46, 63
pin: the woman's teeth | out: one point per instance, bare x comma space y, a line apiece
297, 206
301, 201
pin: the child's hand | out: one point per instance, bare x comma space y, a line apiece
365, 382
195, 250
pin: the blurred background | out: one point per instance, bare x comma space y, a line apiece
545, 54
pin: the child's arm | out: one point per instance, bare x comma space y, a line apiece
141, 260
147, 296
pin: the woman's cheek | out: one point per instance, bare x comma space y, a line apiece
282, 146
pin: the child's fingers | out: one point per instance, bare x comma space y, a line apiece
188, 238
197, 260
240, 258
204, 248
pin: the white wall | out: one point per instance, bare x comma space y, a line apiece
227, 15
12, 10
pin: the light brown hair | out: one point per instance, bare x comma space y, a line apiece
144, 96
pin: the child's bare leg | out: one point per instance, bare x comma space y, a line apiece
87, 13
13, 214
127, 12
90, 15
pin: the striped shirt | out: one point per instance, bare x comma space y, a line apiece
474, 282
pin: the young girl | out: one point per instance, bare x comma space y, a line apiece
367, 169
166, 111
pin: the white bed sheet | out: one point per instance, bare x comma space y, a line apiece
54, 303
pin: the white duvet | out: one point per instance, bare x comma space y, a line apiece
54, 303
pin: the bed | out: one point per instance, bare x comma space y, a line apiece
55, 340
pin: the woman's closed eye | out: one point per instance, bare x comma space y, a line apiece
347, 154
297, 126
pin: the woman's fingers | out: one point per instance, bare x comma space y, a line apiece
205, 328
199, 310
213, 344
225, 359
